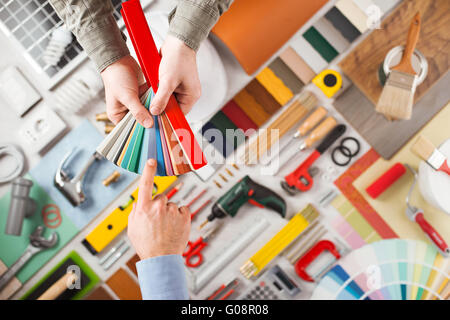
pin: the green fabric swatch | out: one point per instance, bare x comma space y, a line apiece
322, 46
222, 122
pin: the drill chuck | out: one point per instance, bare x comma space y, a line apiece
217, 212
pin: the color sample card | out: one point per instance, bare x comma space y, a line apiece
298, 66
341, 23
82, 140
253, 106
352, 222
173, 148
320, 44
310, 55
391, 269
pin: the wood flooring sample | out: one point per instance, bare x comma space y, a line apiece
125, 287
99, 294
132, 263
362, 64
387, 137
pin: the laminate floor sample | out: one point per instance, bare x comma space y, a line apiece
125, 287
362, 64
99, 294
387, 137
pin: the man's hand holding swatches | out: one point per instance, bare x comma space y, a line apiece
159, 231
177, 74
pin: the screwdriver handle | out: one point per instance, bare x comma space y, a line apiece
311, 121
320, 132
331, 138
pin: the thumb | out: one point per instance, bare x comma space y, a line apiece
162, 96
141, 114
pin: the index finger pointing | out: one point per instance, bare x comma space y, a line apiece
146, 184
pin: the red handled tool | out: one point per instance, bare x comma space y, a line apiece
174, 190
416, 215
311, 255
301, 178
193, 254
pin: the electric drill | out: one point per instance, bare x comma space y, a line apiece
246, 190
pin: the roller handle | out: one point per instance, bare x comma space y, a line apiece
320, 132
434, 236
311, 121
331, 138
413, 36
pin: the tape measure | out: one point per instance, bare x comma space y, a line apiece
329, 81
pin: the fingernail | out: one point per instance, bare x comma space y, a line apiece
151, 162
148, 123
155, 110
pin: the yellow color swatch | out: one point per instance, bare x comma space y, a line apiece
275, 86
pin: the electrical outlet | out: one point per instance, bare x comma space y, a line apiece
41, 129
16, 91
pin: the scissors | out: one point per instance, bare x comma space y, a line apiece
193, 255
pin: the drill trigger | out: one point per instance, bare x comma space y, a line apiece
256, 204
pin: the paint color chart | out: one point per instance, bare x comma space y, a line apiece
252, 107
333, 33
351, 225
387, 270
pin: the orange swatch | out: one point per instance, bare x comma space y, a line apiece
179, 162
255, 29
252, 108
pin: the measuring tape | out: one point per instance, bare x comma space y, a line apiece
279, 242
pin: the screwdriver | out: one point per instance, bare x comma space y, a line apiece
317, 134
307, 125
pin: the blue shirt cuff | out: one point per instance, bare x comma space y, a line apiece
163, 278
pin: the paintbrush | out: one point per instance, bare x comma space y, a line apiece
397, 97
425, 149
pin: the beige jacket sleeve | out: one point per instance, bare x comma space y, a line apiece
93, 24
95, 28
192, 20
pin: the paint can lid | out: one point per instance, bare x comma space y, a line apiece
418, 61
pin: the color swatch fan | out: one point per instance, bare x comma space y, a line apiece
391, 269
170, 141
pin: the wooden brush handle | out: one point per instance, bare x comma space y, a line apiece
58, 287
413, 36
312, 121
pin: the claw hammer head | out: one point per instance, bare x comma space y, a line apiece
38, 241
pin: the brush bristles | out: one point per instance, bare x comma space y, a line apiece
423, 148
397, 97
